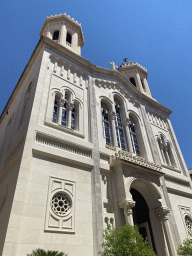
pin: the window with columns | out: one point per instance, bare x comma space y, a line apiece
166, 151
65, 112
106, 123
119, 130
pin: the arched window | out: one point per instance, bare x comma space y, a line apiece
106, 123
132, 80
55, 111
73, 118
68, 38
165, 149
119, 127
66, 112
133, 136
56, 35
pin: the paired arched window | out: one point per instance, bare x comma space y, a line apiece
65, 112
106, 124
133, 136
166, 152
56, 35
119, 126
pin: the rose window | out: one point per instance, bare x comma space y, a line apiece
188, 223
60, 204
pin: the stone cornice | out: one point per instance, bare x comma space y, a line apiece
130, 157
63, 17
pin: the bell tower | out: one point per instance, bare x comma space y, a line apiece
136, 74
65, 31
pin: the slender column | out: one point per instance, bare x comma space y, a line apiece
74, 42
127, 122
146, 86
163, 212
127, 205
69, 108
62, 36
162, 153
113, 128
139, 82
49, 34
172, 158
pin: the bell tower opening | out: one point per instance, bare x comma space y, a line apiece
141, 217
68, 38
56, 35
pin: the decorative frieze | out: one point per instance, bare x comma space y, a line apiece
59, 68
131, 157
156, 120
62, 146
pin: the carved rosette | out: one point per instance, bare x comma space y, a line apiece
162, 212
127, 205
131, 157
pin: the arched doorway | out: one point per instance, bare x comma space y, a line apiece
141, 217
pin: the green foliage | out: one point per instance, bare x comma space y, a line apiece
125, 241
41, 252
186, 248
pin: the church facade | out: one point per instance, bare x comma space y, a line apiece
84, 146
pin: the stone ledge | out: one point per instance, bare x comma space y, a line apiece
131, 157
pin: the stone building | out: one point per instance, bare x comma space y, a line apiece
84, 146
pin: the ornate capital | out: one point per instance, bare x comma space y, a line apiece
162, 212
112, 116
70, 106
127, 122
127, 205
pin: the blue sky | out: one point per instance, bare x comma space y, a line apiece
156, 34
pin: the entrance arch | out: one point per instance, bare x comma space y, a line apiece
156, 212
141, 217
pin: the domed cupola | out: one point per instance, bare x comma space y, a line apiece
136, 74
64, 30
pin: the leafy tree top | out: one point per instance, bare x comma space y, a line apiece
125, 241
186, 248
41, 252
